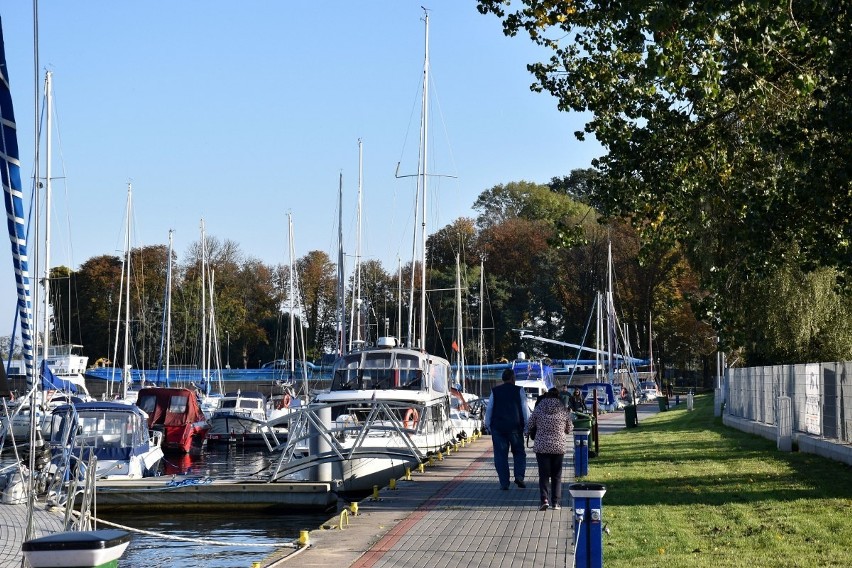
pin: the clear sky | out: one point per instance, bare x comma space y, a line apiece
242, 112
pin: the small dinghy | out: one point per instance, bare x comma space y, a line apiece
77, 549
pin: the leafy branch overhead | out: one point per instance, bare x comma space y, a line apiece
727, 124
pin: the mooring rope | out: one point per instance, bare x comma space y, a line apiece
287, 544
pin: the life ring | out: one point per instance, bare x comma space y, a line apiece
285, 401
411, 418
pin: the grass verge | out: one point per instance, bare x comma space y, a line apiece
684, 490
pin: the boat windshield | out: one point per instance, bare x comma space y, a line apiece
377, 371
101, 429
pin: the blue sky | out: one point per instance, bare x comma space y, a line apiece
242, 112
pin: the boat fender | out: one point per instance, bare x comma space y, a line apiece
285, 401
411, 418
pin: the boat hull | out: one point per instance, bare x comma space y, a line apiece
77, 549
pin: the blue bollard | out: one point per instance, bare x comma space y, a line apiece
677, 399
581, 453
588, 524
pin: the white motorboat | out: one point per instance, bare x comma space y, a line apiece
240, 419
116, 433
388, 408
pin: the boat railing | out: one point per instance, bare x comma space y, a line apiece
347, 437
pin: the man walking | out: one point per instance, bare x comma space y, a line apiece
506, 417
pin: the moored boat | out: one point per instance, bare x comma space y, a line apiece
176, 413
117, 434
240, 419
388, 408
77, 549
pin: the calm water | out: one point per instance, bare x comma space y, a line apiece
266, 529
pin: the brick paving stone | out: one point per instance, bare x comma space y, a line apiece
454, 514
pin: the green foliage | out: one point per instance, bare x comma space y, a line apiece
726, 124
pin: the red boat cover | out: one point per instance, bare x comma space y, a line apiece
173, 406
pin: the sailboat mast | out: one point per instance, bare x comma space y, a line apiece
125, 372
341, 271
292, 299
47, 196
169, 305
481, 316
399, 299
460, 378
355, 314
651, 348
610, 320
423, 157
205, 375
32, 372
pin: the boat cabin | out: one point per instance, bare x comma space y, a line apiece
388, 369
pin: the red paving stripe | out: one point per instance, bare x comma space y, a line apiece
387, 542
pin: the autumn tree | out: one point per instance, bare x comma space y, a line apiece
726, 127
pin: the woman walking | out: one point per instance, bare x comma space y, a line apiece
550, 421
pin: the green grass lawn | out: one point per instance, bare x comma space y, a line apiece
684, 490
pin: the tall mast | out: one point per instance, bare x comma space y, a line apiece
32, 371
125, 372
423, 157
610, 311
399, 300
651, 347
341, 271
205, 374
292, 299
47, 196
459, 323
166, 333
481, 331
355, 314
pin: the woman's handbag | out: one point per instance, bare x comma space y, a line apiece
533, 432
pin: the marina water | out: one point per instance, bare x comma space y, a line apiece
269, 530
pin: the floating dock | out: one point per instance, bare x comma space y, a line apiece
199, 493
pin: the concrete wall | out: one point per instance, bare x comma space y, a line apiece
820, 405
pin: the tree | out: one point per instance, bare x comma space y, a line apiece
318, 287
459, 237
726, 124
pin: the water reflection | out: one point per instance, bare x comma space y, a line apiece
269, 530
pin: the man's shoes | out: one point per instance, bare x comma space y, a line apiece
506, 488
543, 506
520, 483
557, 507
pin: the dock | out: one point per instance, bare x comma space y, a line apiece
199, 494
13, 528
452, 514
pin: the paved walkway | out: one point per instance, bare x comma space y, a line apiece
453, 514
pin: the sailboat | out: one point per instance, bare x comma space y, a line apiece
75, 546
60, 367
465, 411
389, 405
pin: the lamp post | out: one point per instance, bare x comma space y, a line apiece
228, 349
